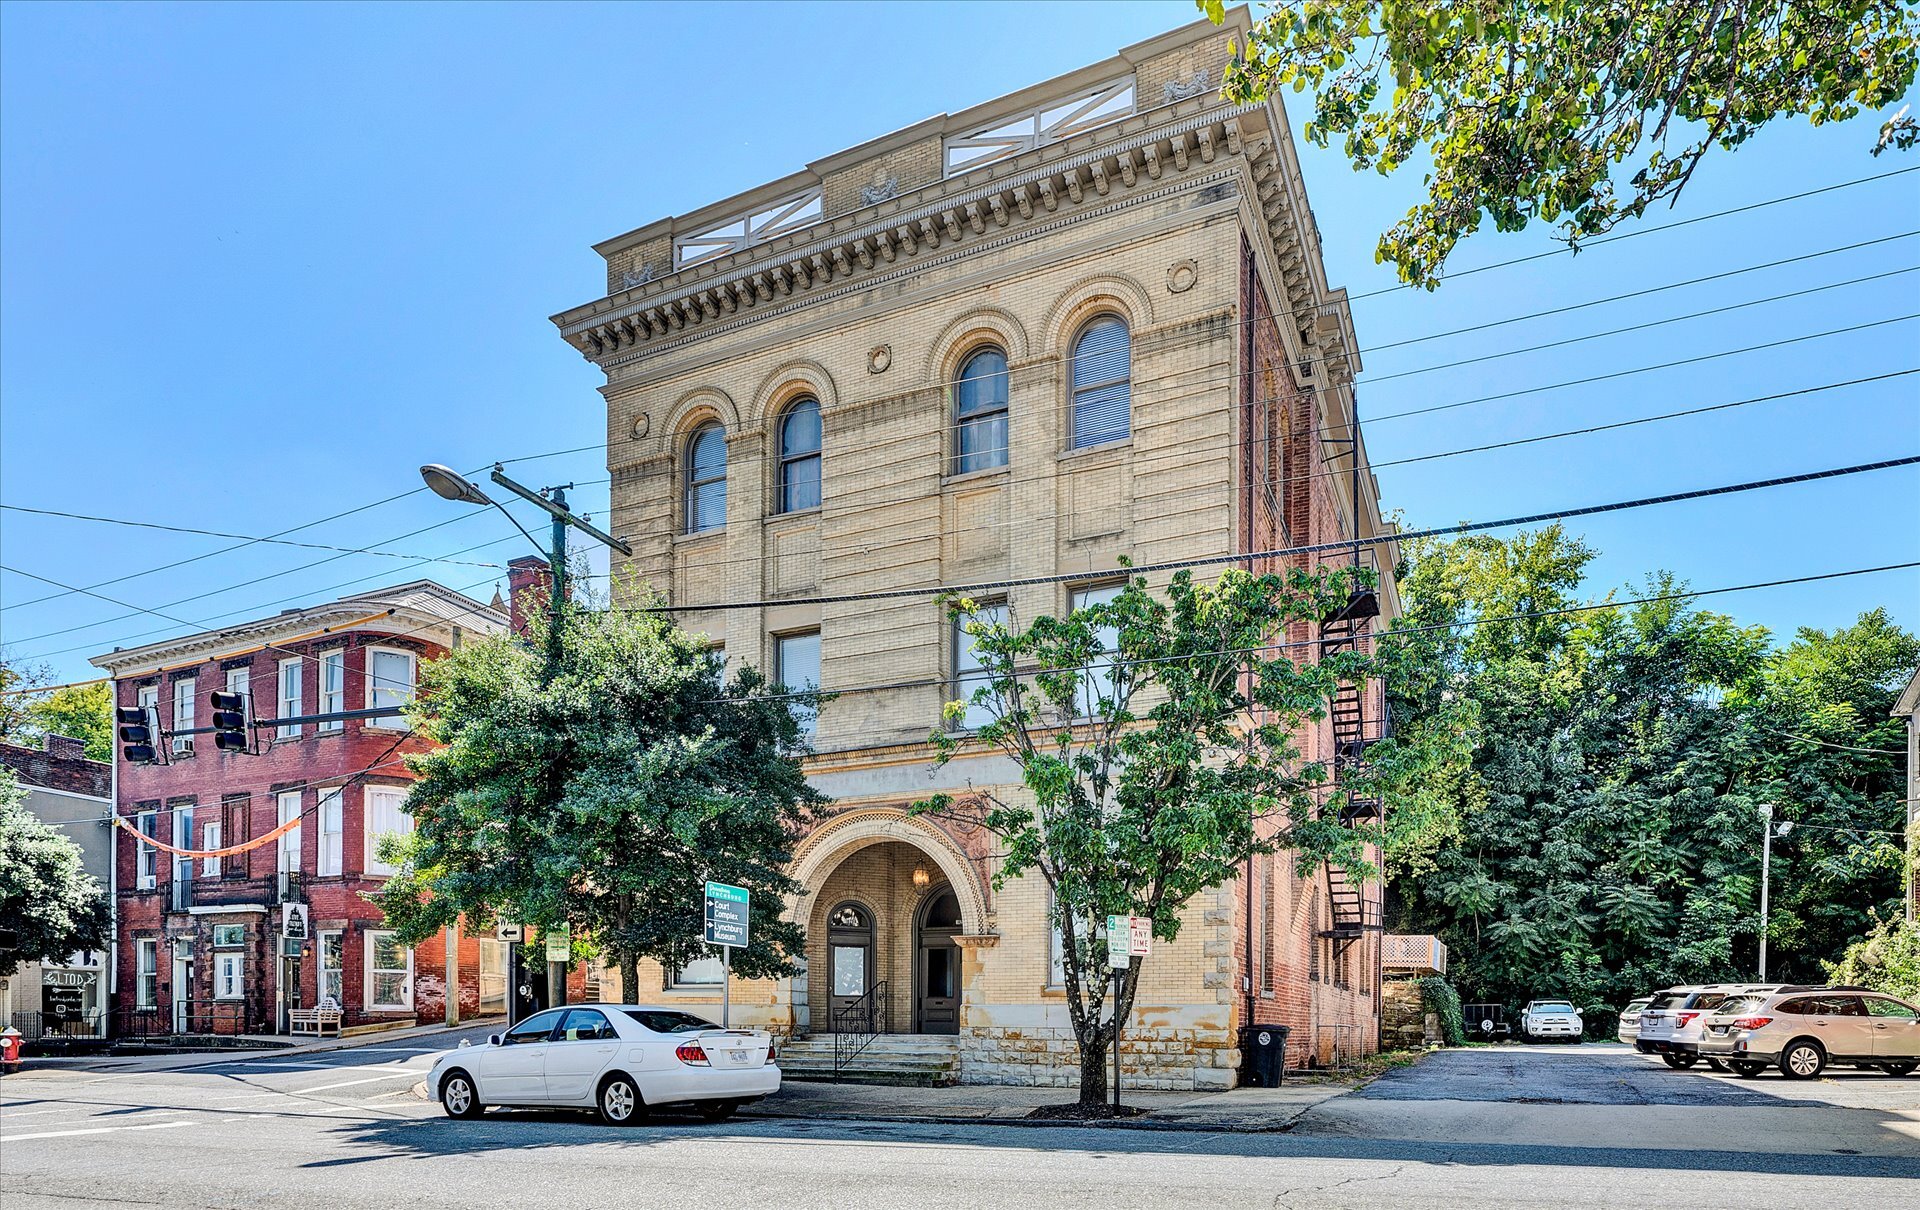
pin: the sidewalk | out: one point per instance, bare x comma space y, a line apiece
275, 1052
1239, 1109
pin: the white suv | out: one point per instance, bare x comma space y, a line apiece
1802, 1029
1544, 1019
1671, 1025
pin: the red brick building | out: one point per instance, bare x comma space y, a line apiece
201, 941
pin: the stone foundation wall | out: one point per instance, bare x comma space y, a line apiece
1150, 1058
1405, 1026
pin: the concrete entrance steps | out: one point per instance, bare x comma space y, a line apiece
921, 1060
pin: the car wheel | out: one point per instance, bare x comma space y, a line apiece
1747, 1070
619, 1103
459, 1096
718, 1111
1717, 1065
1898, 1069
1680, 1062
1803, 1060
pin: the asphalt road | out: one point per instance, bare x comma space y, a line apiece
341, 1130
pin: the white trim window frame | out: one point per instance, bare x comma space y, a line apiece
330, 860
210, 839
793, 655
384, 690
332, 949
287, 804
146, 972
230, 976
384, 812
1105, 678
707, 972
333, 689
395, 978
182, 745
146, 857
290, 683
240, 681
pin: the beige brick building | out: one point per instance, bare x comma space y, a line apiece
1084, 321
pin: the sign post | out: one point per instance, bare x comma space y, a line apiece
1128, 937
511, 934
726, 917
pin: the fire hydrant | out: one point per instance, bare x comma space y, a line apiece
10, 1047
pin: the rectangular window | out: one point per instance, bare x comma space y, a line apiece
333, 688
289, 808
796, 664
969, 675
1101, 680
228, 979
289, 697
146, 966
389, 973
210, 840
182, 839
389, 683
240, 681
331, 833
225, 936
183, 714
148, 699
332, 964
701, 972
148, 871
386, 816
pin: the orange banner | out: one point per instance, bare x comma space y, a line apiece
255, 843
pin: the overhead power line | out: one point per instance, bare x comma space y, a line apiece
214, 533
1287, 551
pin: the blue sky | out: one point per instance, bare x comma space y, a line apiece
257, 263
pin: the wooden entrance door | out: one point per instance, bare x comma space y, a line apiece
936, 980
850, 970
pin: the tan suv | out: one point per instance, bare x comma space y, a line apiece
1801, 1030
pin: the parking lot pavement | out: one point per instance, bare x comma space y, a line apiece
1607, 1096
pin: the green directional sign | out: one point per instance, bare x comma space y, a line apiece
726, 914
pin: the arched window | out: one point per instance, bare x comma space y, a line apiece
980, 412
800, 457
1102, 391
706, 479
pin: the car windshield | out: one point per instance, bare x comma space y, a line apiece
670, 1021
1552, 1006
1633, 1005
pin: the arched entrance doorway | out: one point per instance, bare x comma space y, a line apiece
936, 983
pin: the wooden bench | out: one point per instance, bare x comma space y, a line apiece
316, 1021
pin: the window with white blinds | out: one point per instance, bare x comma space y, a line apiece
386, 816
980, 413
289, 697
331, 832
969, 673
1102, 389
1102, 677
800, 457
389, 683
333, 688
707, 479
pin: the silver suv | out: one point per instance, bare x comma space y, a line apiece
1803, 1029
1630, 1019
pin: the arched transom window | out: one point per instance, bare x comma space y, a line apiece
980, 412
706, 477
800, 457
1102, 389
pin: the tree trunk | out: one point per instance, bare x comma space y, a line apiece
629, 977
1093, 1068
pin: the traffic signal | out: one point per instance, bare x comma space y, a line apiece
229, 721
136, 735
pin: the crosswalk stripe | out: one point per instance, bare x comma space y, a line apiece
61, 1134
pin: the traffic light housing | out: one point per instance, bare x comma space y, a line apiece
229, 721
136, 735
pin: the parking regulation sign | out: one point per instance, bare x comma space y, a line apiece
726, 914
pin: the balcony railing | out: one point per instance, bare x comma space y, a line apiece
58, 1026
1410, 953
208, 891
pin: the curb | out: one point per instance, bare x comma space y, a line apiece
1145, 1122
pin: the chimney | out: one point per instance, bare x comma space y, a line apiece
529, 580
65, 747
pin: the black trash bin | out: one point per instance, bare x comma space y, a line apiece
1263, 1055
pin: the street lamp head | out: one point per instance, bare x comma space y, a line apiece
450, 484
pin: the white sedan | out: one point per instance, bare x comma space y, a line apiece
619, 1059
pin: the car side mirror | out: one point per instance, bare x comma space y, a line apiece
493, 1039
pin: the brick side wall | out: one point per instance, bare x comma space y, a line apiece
60, 764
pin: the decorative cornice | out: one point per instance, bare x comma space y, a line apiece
770, 280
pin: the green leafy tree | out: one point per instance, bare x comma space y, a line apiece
601, 790
1525, 109
49, 905
17, 678
82, 712
1155, 742
1887, 959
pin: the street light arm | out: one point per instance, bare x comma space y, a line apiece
516, 524
560, 513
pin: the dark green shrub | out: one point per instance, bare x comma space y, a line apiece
1438, 997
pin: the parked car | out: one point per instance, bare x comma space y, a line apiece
1672, 1024
1630, 1019
1545, 1019
1801, 1030
619, 1059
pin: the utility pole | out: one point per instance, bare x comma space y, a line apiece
1768, 831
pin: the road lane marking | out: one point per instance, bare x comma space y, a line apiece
302, 1092
62, 1134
